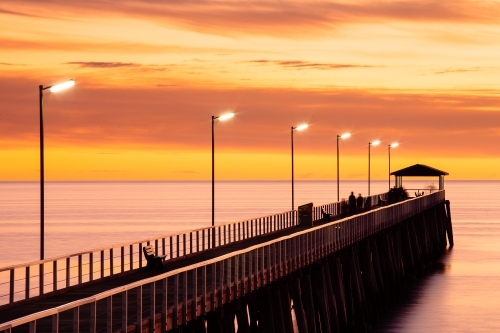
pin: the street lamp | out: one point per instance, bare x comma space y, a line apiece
53, 88
297, 128
374, 143
220, 118
393, 145
343, 136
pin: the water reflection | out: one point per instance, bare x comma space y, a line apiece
463, 292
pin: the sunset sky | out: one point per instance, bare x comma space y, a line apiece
150, 74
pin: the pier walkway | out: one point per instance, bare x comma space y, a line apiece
109, 290
80, 292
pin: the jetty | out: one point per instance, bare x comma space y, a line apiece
331, 268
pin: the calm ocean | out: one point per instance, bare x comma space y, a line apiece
463, 297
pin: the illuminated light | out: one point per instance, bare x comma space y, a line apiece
302, 127
394, 145
226, 116
376, 143
62, 86
345, 135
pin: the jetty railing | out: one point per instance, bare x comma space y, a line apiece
337, 209
28, 280
196, 289
37, 278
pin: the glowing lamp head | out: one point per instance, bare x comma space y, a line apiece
375, 143
345, 135
394, 145
226, 116
62, 86
302, 127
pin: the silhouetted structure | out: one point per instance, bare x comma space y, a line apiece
397, 194
305, 213
419, 170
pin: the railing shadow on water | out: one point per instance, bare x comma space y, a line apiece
231, 275
24, 281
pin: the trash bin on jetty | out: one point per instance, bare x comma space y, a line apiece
305, 213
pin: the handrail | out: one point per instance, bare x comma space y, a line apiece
284, 255
114, 246
54, 274
45, 276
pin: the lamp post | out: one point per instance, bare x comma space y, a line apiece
53, 88
370, 144
343, 136
297, 128
220, 118
393, 145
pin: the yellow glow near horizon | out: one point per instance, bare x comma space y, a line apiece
82, 164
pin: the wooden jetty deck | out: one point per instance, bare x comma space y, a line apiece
193, 289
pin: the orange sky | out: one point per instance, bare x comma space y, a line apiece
149, 76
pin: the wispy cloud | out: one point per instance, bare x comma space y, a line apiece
458, 70
10, 64
101, 64
297, 64
160, 85
265, 17
111, 65
18, 13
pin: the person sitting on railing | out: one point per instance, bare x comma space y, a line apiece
359, 203
325, 215
352, 203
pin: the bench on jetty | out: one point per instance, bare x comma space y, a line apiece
153, 260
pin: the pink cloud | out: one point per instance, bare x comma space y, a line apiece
181, 117
291, 18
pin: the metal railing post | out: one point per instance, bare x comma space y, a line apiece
109, 314
124, 310
152, 308
164, 307
138, 309
76, 320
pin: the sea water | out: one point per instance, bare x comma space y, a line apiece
462, 297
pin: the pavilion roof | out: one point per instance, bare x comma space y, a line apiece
419, 170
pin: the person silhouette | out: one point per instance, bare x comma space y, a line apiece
352, 203
359, 202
